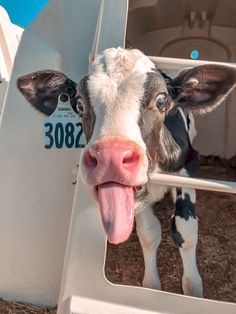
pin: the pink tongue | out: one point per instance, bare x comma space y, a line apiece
117, 210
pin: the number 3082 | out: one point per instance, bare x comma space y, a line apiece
60, 135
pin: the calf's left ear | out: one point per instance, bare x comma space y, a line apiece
42, 89
203, 88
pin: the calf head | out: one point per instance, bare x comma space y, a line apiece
123, 104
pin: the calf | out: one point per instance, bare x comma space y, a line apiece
138, 121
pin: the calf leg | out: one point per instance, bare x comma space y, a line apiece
184, 227
149, 232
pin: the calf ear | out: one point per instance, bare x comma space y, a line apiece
203, 88
42, 89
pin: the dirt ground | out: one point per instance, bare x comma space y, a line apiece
216, 252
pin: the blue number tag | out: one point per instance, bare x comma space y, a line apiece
63, 129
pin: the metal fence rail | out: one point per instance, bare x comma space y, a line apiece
201, 184
175, 64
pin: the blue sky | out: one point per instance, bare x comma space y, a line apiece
22, 12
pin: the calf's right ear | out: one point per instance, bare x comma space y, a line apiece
42, 89
203, 88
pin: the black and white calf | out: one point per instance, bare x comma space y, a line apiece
138, 121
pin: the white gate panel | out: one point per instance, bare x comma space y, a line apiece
36, 189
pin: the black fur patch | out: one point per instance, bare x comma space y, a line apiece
175, 234
188, 121
174, 146
184, 207
192, 163
84, 86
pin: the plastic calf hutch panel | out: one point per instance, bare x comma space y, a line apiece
36, 184
84, 288
36, 188
36, 191
9, 40
83, 274
82, 305
175, 30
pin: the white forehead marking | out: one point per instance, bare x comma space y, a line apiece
114, 69
119, 61
116, 87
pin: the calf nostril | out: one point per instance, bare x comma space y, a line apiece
90, 161
131, 159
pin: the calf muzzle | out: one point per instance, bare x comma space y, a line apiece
112, 160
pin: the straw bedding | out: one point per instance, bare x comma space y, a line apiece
23, 308
216, 253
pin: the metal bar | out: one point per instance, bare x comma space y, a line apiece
175, 64
200, 184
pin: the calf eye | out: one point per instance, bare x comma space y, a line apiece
80, 106
161, 101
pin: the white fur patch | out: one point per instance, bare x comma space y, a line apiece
192, 132
149, 232
188, 230
184, 118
